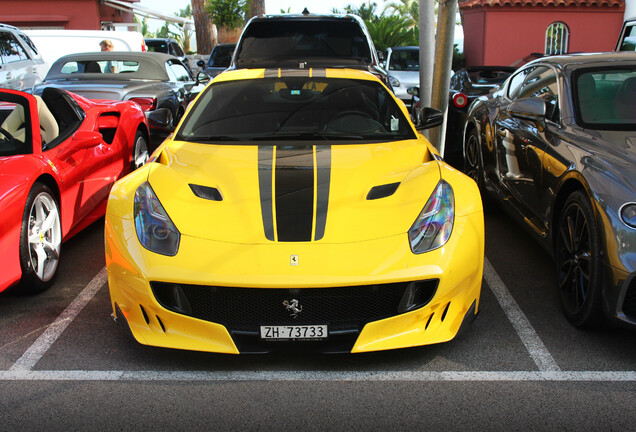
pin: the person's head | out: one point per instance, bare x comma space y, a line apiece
106, 45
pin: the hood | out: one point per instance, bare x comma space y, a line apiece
102, 89
285, 193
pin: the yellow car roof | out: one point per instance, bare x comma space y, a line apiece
241, 74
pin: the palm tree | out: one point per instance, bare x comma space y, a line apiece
409, 9
203, 27
256, 8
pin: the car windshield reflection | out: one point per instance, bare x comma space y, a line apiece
295, 109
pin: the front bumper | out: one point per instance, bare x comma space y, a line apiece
132, 269
620, 296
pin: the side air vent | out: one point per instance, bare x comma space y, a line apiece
206, 192
382, 191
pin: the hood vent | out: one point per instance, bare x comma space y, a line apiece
382, 191
206, 192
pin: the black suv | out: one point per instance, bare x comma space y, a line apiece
307, 41
168, 46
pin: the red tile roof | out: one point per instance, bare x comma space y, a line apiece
530, 3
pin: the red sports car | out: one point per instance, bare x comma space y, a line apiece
59, 156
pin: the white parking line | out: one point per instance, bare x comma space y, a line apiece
22, 369
370, 376
53, 332
539, 353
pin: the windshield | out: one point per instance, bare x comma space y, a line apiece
295, 108
405, 60
606, 98
272, 41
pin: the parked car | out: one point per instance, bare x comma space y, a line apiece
168, 46
627, 36
403, 67
219, 60
295, 211
555, 145
153, 80
307, 41
55, 43
21, 66
59, 156
466, 85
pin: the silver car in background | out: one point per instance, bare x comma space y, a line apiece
403, 67
21, 65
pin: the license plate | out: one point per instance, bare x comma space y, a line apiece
297, 332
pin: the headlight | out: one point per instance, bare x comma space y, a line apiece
394, 81
628, 214
434, 225
155, 230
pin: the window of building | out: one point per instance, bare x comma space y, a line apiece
556, 38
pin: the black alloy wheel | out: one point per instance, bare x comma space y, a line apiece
578, 261
472, 161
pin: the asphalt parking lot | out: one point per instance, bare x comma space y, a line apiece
65, 364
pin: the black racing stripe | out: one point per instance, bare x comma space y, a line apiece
323, 175
265, 164
294, 188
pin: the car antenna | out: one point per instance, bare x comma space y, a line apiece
305, 11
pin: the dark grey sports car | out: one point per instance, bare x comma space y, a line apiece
153, 80
557, 146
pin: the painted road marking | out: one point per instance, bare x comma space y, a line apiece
588, 376
537, 350
53, 332
539, 353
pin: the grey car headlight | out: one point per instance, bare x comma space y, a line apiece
155, 230
628, 214
434, 225
394, 81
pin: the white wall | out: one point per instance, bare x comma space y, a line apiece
630, 8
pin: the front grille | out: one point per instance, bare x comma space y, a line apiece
629, 305
243, 310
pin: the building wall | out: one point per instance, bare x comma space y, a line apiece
63, 14
503, 36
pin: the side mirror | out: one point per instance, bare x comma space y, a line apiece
160, 119
413, 91
86, 138
201, 63
202, 78
532, 109
429, 117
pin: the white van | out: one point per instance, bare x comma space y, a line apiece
53, 44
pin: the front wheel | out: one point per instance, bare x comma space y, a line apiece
578, 261
40, 240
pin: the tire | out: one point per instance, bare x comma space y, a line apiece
40, 240
472, 160
140, 153
578, 262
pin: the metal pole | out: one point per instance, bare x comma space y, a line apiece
443, 63
427, 50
